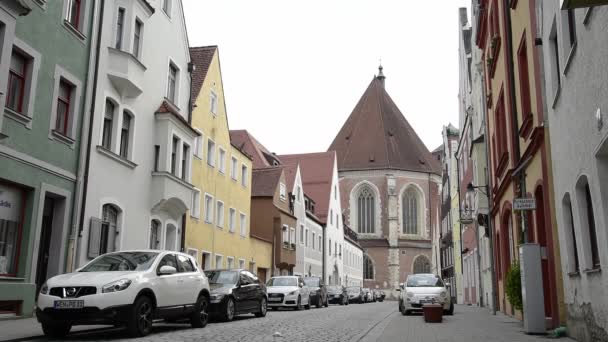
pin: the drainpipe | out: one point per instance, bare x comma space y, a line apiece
324, 260
183, 242
81, 192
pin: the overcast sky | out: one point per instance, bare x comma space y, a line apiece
294, 70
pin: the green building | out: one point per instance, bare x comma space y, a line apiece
44, 51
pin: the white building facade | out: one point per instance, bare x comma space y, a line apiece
353, 259
575, 77
141, 142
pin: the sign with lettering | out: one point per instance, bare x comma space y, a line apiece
10, 203
524, 203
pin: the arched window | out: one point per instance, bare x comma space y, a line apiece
422, 265
368, 267
154, 234
109, 224
366, 211
411, 212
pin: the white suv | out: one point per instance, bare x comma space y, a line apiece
130, 288
288, 291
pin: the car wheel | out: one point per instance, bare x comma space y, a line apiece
56, 330
450, 311
299, 305
402, 309
263, 308
307, 306
342, 301
319, 301
229, 310
200, 316
140, 322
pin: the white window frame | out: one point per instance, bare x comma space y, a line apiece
178, 73
198, 144
285, 233
282, 192
32, 67
211, 152
306, 237
166, 7
232, 220
213, 102
219, 214
221, 160
292, 235
314, 236
243, 224
209, 211
242, 264
196, 203
61, 73
229, 262
244, 174
221, 262
234, 168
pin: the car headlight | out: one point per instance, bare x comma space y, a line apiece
217, 296
116, 286
410, 294
44, 289
292, 293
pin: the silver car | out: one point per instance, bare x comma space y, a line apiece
420, 289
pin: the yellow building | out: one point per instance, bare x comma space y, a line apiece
217, 232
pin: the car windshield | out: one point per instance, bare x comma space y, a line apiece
353, 289
334, 288
123, 261
222, 277
424, 281
282, 282
312, 282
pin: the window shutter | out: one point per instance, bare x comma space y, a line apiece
94, 237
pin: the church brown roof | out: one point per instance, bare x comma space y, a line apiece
377, 136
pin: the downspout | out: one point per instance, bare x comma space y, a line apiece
459, 213
324, 262
183, 242
85, 186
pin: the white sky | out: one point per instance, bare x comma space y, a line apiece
294, 70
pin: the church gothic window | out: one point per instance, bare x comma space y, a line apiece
368, 267
366, 211
422, 265
411, 212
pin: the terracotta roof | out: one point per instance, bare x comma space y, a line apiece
264, 181
290, 175
201, 57
316, 170
260, 154
377, 136
168, 108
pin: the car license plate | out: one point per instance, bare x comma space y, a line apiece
271, 299
69, 304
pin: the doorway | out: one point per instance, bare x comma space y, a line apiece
543, 237
44, 246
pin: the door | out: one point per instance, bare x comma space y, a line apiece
244, 293
262, 274
189, 280
45, 243
542, 241
168, 286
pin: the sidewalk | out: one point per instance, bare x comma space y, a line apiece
468, 324
23, 329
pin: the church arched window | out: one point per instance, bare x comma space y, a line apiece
422, 265
368, 267
412, 213
366, 208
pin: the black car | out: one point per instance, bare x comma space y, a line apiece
380, 296
318, 291
337, 295
236, 292
355, 294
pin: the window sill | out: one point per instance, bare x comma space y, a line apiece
212, 166
526, 126
198, 157
594, 270
116, 157
570, 58
73, 30
172, 103
56, 135
197, 218
23, 119
574, 274
11, 278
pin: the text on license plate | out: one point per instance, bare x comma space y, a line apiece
271, 299
69, 304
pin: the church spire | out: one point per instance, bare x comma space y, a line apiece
381, 76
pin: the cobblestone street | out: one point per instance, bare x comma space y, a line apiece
366, 323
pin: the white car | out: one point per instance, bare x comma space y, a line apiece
129, 288
288, 291
420, 289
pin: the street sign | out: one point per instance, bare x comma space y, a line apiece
524, 203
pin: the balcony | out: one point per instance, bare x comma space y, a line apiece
125, 72
170, 194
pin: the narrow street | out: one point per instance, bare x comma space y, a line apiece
366, 323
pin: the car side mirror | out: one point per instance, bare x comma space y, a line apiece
301, 284
167, 270
448, 284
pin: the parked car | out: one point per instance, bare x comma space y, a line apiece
236, 292
318, 291
380, 295
420, 289
368, 295
288, 291
355, 294
337, 295
130, 288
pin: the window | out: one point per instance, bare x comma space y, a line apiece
320, 244
120, 28
198, 144
243, 224
285, 233
244, 175
74, 14
184, 263
220, 213
124, 135
335, 192
571, 241
314, 236
340, 252
222, 160
331, 217
366, 209
368, 267
156, 157
229, 263
172, 83
411, 212
154, 234
213, 102
185, 166
299, 193
524, 80
301, 235
174, 146
219, 261
109, 224
554, 55
329, 250
422, 265
196, 203
108, 122
232, 220
306, 238
167, 7
233, 166
137, 31
282, 192
211, 153
292, 236
11, 218
501, 127
208, 208
588, 221
16, 82
571, 27
241, 264
206, 261
64, 101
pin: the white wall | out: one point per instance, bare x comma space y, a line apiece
334, 232
353, 264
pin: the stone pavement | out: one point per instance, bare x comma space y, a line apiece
356, 322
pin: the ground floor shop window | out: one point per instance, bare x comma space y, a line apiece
11, 203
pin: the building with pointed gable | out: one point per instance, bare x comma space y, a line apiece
389, 184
